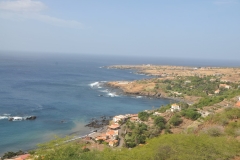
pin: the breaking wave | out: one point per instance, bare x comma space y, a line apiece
112, 94
16, 118
107, 92
97, 84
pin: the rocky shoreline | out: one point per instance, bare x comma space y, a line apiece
158, 95
99, 123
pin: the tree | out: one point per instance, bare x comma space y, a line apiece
168, 87
190, 114
160, 122
143, 116
175, 120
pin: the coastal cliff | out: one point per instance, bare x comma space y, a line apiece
133, 88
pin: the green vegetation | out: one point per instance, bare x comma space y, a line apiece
190, 114
169, 146
160, 122
214, 131
163, 109
199, 87
191, 85
143, 116
229, 119
233, 128
12, 154
136, 134
58, 149
225, 117
175, 120
208, 101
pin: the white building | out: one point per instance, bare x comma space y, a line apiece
118, 118
175, 107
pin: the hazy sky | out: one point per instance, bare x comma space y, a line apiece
168, 28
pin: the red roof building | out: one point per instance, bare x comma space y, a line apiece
114, 126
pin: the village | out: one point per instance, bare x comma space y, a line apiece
113, 135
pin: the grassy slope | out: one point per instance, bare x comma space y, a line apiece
171, 146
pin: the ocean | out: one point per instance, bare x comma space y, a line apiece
63, 92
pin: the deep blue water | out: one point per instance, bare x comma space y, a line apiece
57, 88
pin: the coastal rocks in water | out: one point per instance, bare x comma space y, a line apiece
15, 118
98, 123
158, 94
31, 118
22, 118
151, 94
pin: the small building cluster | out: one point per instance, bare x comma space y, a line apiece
112, 134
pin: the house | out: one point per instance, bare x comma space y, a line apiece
175, 107
112, 134
224, 86
101, 137
217, 91
114, 126
113, 143
118, 118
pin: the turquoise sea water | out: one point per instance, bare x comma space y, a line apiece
64, 89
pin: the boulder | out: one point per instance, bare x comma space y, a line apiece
31, 118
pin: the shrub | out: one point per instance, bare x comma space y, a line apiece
214, 131
224, 117
163, 109
175, 120
190, 114
233, 128
167, 129
143, 116
12, 154
160, 122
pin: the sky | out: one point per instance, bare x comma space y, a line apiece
164, 28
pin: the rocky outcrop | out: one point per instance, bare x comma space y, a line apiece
131, 89
31, 118
98, 123
151, 94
